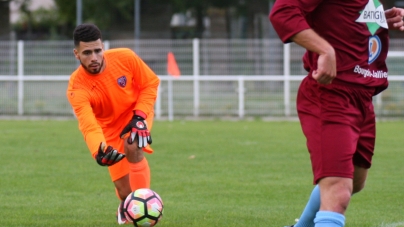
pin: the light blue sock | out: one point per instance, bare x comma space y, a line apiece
309, 212
329, 219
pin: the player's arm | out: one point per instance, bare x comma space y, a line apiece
288, 19
326, 64
147, 82
92, 132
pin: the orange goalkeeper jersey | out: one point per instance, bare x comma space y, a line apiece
103, 103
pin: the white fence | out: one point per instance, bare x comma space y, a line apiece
194, 94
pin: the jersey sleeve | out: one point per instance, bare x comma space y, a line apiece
288, 17
88, 125
146, 82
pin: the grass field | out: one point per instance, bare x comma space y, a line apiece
208, 173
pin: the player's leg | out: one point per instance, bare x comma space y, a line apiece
361, 131
309, 212
131, 173
359, 180
335, 196
334, 170
362, 159
329, 122
120, 176
312, 215
139, 170
335, 193
313, 205
309, 111
122, 187
310, 124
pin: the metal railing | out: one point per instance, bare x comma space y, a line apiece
193, 94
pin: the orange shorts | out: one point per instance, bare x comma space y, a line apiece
121, 168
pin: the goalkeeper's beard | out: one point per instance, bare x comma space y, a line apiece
93, 71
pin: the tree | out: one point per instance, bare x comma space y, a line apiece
243, 8
32, 24
104, 13
5, 21
118, 13
110, 12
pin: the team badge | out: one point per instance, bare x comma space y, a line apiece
375, 47
122, 81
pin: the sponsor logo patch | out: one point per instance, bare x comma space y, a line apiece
377, 74
373, 16
375, 47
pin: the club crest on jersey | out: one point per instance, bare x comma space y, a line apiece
122, 81
375, 47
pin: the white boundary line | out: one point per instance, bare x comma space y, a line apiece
395, 224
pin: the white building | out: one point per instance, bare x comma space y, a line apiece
33, 5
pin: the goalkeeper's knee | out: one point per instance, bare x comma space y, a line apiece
133, 152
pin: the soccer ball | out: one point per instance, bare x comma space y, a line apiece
143, 207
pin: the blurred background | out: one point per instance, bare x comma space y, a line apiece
128, 19
231, 61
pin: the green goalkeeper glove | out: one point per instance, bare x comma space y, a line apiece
108, 156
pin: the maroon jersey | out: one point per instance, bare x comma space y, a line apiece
357, 29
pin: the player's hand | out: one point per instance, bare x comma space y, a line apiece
394, 18
108, 156
326, 68
138, 130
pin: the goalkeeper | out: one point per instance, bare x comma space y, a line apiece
112, 94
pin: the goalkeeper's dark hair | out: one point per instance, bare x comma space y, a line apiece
86, 33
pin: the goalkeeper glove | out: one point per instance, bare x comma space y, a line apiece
108, 156
138, 129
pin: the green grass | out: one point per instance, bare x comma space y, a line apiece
208, 173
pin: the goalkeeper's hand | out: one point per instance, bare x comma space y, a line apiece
138, 130
108, 156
